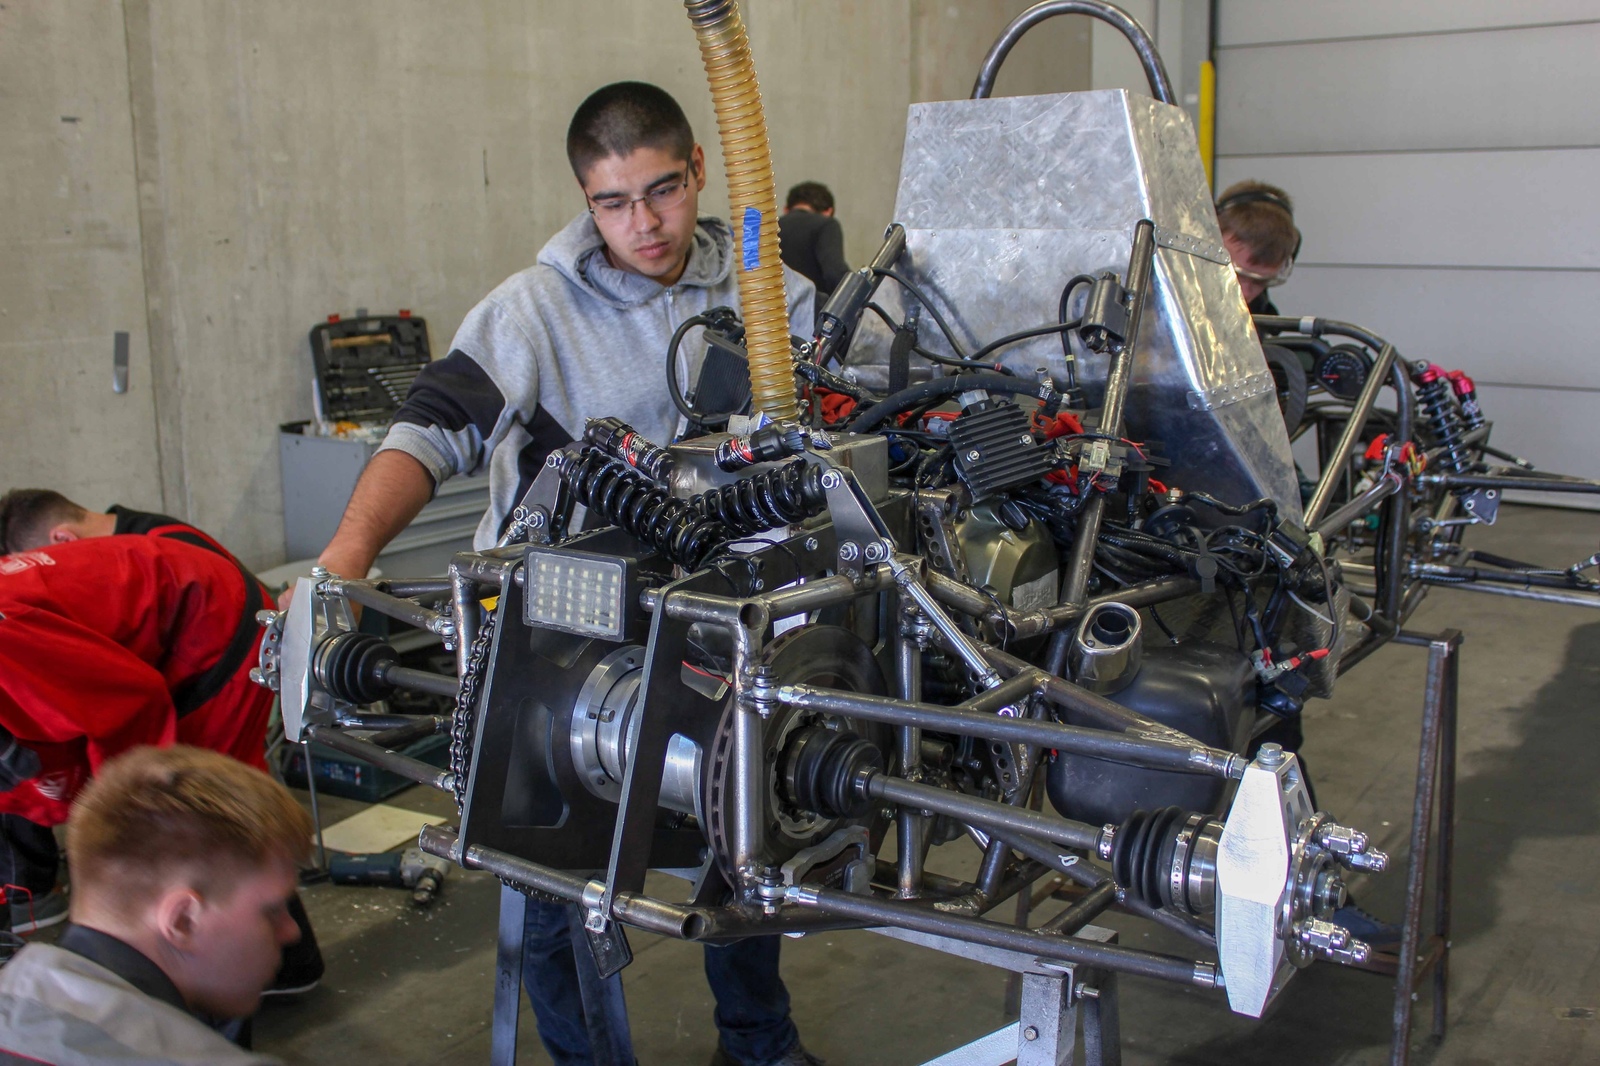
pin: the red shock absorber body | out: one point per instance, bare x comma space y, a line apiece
1467, 393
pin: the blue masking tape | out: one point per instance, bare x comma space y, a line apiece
752, 238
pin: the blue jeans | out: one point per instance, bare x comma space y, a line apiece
583, 1020
752, 1012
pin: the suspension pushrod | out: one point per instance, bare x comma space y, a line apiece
976, 931
1570, 597
400, 735
381, 757
366, 593
1019, 688
1514, 481
984, 812
1105, 715
1017, 625
1186, 755
435, 586
1082, 912
1361, 505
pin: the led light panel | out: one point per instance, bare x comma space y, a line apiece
576, 593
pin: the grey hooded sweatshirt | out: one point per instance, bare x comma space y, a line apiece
569, 339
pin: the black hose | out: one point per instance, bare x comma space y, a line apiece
938, 388
674, 387
922, 298
932, 357
1023, 334
1061, 315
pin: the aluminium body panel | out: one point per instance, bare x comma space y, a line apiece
1004, 200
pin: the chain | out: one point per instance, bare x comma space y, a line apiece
464, 717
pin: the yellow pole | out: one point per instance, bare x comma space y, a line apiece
1208, 119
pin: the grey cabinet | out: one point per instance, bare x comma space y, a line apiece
319, 474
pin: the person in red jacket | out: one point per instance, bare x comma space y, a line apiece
32, 519
111, 642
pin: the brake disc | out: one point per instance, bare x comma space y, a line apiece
826, 656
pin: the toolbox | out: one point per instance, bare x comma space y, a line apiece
364, 366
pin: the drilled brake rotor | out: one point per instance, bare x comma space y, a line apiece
825, 656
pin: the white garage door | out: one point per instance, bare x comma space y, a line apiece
1443, 159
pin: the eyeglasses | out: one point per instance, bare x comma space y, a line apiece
660, 199
1269, 280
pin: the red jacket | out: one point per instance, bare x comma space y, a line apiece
104, 640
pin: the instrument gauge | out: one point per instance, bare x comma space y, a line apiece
1343, 371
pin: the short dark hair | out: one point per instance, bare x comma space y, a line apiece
26, 516
813, 194
619, 119
1261, 217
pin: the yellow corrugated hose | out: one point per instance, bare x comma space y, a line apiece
753, 198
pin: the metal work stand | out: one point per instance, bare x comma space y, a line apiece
1053, 993
1422, 956
507, 977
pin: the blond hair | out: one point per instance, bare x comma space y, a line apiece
153, 815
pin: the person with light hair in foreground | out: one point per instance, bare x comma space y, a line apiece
183, 864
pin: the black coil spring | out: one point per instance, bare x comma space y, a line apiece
1438, 407
772, 498
627, 499
687, 531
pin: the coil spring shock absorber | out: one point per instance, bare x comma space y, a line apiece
647, 511
772, 498
687, 531
1438, 406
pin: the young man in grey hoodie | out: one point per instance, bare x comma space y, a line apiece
583, 333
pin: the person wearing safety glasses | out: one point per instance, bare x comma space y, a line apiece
1258, 229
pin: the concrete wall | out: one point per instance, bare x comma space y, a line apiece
232, 173
1443, 159
70, 258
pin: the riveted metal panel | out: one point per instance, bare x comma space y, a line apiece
1005, 199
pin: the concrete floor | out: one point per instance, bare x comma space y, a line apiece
406, 985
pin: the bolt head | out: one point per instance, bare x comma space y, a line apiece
811, 544
1270, 755
973, 456
832, 479
537, 519
849, 551
1027, 438
1030, 1033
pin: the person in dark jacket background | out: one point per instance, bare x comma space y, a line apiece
1257, 222
811, 241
